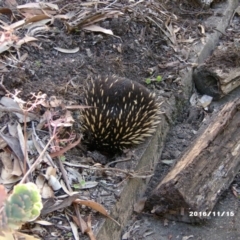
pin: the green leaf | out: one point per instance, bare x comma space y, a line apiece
63, 158
148, 81
159, 78
79, 185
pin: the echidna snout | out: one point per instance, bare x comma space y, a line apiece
123, 113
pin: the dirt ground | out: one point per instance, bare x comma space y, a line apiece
180, 136
150, 227
150, 39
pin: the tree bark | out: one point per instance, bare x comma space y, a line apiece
220, 74
203, 172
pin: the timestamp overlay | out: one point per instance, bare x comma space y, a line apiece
211, 214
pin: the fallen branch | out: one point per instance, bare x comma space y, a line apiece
203, 172
220, 75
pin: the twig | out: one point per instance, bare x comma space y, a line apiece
40, 146
38, 161
117, 161
110, 4
17, 110
63, 150
10, 65
127, 172
64, 174
25, 141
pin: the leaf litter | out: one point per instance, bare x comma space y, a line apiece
47, 126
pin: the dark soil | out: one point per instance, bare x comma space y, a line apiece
139, 50
180, 137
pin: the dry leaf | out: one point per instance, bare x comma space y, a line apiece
171, 30
35, 24
3, 68
8, 183
65, 121
23, 143
12, 129
89, 231
14, 235
3, 195
187, 237
50, 206
202, 29
66, 16
65, 149
44, 222
39, 5
38, 27
14, 26
17, 170
51, 171
81, 223
39, 145
55, 102
26, 39
23, 57
3, 144
74, 230
7, 235
6, 11
66, 190
14, 107
87, 18
47, 192
20, 236
40, 180
95, 28
38, 19
96, 206
74, 175
14, 144
126, 235
5, 46
7, 168
63, 50
11, 3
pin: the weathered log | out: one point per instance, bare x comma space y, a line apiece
203, 172
220, 74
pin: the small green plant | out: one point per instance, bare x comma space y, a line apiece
63, 158
38, 63
159, 78
150, 80
80, 184
23, 205
69, 234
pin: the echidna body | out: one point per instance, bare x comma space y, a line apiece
122, 113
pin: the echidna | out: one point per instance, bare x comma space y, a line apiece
122, 113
